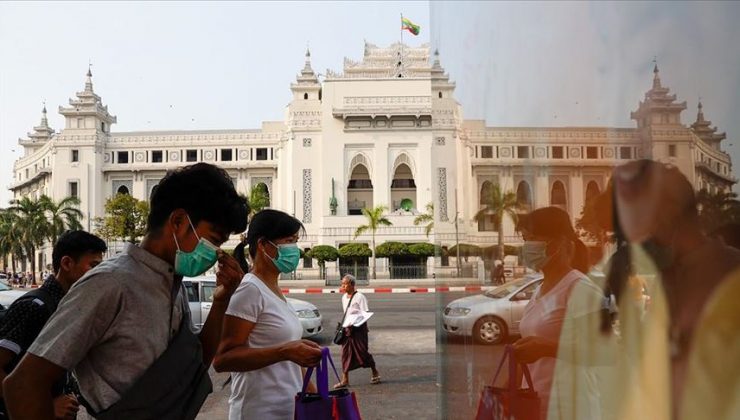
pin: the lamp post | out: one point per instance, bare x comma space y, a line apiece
457, 238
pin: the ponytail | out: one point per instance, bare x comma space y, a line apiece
580, 260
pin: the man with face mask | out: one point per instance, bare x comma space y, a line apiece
125, 327
693, 373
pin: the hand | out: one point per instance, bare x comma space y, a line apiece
228, 277
66, 406
531, 349
302, 352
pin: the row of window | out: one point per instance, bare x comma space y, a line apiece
716, 166
552, 152
190, 155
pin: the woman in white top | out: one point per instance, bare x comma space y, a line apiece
556, 343
261, 341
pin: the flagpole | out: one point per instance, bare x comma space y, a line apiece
401, 57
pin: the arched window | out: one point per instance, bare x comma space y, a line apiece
359, 190
524, 195
485, 224
403, 188
558, 196
305, 96
592, 190
440, 95
122, 190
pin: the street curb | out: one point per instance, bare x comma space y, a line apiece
373, 290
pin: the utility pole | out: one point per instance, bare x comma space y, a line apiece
457, 238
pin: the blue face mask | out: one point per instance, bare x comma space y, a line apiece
287, 258
197, 261
534, 254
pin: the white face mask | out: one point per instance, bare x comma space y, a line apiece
534, 254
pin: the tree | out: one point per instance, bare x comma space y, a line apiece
33, 227
322, 254
61, 216
424, 250
427, 218
466, 250
125, 218
392, 249
717, 209
259, 198
496, 205
375, 218
589, 224
10, 237
354, 253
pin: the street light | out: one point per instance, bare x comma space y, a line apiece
457, 238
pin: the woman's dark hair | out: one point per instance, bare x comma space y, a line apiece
271, 225
205, 192
554, 223
240, 256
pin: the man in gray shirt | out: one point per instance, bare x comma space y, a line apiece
122, 316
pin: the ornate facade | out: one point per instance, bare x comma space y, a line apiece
386, 130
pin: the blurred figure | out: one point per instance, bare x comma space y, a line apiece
497, 273
681, 361
556, 342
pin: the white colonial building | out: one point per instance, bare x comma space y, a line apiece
386, 130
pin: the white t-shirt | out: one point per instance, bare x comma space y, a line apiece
552, 316
267, 393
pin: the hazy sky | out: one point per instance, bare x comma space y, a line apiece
223, 65
193, 65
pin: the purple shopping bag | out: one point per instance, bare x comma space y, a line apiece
512, 402
340, 404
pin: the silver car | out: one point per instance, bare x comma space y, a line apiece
200, 296
492, 316
8, 295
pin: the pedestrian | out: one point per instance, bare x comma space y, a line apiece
74, 254
498, 273
261, 344
552, 324
355, 352
126, 323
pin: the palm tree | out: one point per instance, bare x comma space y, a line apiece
10, 237
427, 218
61, 216
717, 209
33, 227
496, 205
375, 218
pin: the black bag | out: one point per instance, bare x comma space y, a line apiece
40, 294
173, 388
339, 336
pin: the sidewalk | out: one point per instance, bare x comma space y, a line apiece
427, 285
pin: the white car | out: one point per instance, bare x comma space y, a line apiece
492, 316
8, 295
200, 296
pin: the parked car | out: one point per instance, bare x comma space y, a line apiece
200, 296
8, 295
492, 316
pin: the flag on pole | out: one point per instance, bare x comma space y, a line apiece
409, 26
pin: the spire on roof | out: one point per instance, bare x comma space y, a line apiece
656, 75
44, 120
88, 79
700, 113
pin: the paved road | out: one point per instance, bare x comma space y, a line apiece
402, 339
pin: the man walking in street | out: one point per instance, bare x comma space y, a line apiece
75, 253
125, 327
355, 353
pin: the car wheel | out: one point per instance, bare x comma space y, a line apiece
489, 330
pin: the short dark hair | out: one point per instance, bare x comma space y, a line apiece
74, 244
205, 192
271, 224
